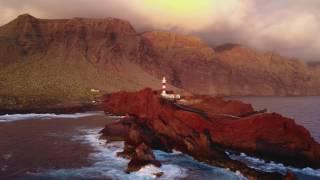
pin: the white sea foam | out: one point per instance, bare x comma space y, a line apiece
108, 165
169, 172
19, 117
240, 175
176, 152
3, 160
261, 164
7, 156
107, 152
116, 117
3, 168
194, 169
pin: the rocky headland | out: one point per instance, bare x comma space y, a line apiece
205, 128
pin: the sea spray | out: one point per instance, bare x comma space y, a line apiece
272, 166
19, 117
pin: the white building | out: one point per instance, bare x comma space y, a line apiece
95, 90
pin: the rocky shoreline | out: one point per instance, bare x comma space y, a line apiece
205, 128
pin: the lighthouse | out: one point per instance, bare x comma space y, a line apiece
164, 86
167, 94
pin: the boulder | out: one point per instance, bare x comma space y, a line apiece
142, 156
116, 131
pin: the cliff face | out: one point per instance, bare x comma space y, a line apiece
229, 69
273, 74
64, 58
31, 33
222, 125
61, 60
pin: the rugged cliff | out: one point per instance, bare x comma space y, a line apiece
53, 61
61, 60
228, 69
208, 132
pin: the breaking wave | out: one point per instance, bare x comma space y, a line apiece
260, 164
19, 117
108, 166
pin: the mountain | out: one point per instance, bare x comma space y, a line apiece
53, 61
314, 65
229, 69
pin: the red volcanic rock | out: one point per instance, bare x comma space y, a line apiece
142, 156
270, 135
290, 176
163, 124
116, 131
219, 106
148, 106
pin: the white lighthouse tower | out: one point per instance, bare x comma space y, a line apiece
168, 95
164, 86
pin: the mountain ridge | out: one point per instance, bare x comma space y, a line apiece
63, 59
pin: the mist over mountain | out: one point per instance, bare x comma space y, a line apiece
286, 27
61, 60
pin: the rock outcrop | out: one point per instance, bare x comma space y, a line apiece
166, 125
139, 139
141, 157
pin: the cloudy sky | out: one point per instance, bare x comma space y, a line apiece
289, 27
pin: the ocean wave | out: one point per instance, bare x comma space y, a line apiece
260, 164
175, 165
107, 152
109, 166
19, 117
195, 169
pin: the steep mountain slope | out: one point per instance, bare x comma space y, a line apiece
51, 61
61, 60
228, 69
315, 66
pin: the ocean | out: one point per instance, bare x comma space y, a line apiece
106, 165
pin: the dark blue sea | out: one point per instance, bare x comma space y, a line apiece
106, 165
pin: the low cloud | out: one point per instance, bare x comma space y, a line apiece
289, 27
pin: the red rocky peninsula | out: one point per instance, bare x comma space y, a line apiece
205, 128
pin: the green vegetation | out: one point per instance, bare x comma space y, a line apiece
52, 81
